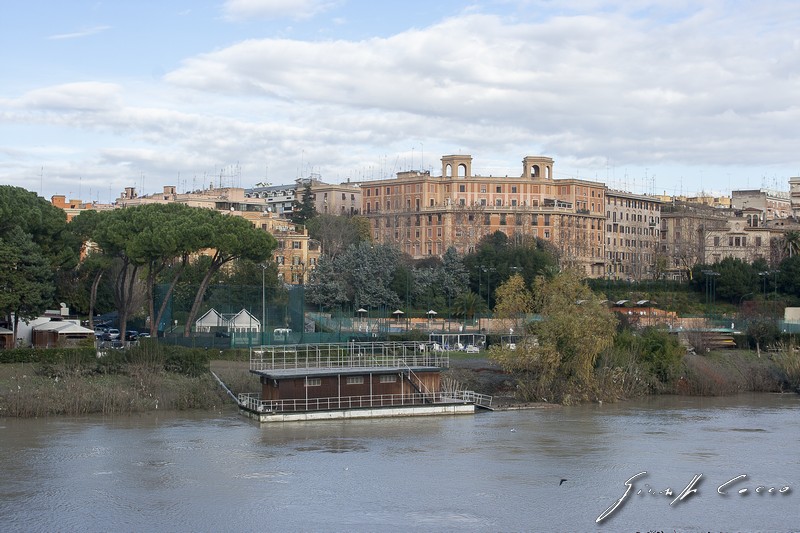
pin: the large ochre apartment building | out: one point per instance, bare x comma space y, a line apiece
424, 215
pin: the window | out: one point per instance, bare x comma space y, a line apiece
390, 378
355, 380
513, 189
297, 245
462, 188
313, 382
498, 189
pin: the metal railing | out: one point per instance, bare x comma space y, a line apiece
254, 403
347, 355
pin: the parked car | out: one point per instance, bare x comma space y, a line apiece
222, 334
113, 333
471, 348
131, 335
144, 334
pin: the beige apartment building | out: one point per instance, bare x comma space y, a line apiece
693, 234
75, 207
296, 254
794, 196
770, 203
633, 228
335, 199
424, 215
329, 198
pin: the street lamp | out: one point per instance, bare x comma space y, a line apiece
488, 271
711, 286
763, 275
775, 286
263, 302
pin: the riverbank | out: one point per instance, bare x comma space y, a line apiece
28, 390
39, 390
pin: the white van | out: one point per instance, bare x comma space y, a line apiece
281, 334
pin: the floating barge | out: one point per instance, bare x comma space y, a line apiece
354, 380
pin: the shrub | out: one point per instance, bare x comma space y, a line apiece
187, 361
656, 349
70, 356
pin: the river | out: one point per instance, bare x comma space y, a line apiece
499, 471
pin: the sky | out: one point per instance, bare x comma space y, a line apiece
664, 96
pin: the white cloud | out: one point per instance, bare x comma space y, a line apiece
271, 9
78, 34
688, 85
82, 96
607, 91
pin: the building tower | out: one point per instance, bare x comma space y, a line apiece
537, 167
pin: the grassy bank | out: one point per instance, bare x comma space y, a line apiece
163, 377
624, 376
25, 392
145, 378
